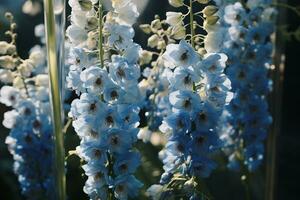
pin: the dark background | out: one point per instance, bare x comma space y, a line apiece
288, 165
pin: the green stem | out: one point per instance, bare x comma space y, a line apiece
55, 100
100, 43
192, 23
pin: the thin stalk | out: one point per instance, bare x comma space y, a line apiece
100, 43
55, 100
192, 23
275, 108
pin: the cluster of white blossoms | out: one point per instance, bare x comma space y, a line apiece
104, 74
26, 92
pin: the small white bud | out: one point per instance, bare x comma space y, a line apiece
209, 10
146, 28
174, 18
6, 76
153, 41
161, 44
178, 32
145, 57
155, 25
203, 1
212, 20
7, 62
176, 3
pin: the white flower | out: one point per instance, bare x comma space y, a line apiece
94, 79
182, 54
234, 14
37, 57
174, 18
10, 119
76, 34
9, 95
39, 30
120, 35
81, 5
6, 76
126, 10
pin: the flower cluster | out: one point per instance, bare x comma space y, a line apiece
30, 139
197, 94
104, 73
244, 35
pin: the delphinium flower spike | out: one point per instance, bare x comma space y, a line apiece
244, 35
104, 74
30, 139
198, 92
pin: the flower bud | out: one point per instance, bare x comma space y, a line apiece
209, 10
178, 32
202, 51
6, 76
146, 28
26, 68
153, 41
42, 80
161, 44
155, 24
203, 1
9, 16
212, 20
13, 26
86, 5
174, 18
189, 185
3, 47
176, 3
92, 23
145, 57
18, 82
7, 62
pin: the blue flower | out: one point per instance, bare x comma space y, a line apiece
182, 54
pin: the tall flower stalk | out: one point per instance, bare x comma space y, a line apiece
104, 73
30, 140
54, 65
198, 91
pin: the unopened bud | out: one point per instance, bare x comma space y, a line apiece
161, 44
178, 32
203, 1
146, 28
86, 5
174, 18
156, 24
212, 20
153, 41
176, 3
209, 10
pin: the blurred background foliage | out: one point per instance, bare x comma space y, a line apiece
222, 184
